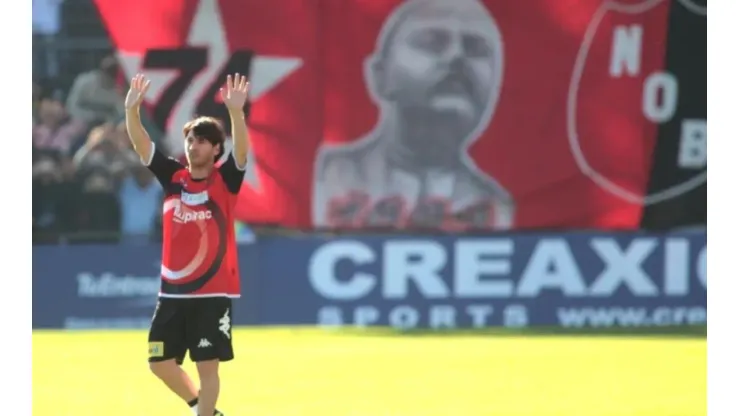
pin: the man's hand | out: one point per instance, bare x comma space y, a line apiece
235, 96
235, 93
136, 132
136, 92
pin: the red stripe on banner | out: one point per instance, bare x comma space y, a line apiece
137, 25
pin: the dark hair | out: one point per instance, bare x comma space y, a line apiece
207, 128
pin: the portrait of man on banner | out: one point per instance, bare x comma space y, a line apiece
436, 77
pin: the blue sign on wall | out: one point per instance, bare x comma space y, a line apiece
577, 280
105, 286
520, 280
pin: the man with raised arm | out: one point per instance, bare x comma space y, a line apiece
200, 274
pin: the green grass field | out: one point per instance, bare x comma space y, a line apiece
311, 372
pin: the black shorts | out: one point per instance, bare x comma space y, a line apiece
200, 325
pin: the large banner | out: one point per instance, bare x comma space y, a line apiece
438, 113
562, 280
578, 280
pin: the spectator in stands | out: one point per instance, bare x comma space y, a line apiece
97, 212
52, 197
86, 154
120, 138
95, 98
141, 199
55, 130
104, 150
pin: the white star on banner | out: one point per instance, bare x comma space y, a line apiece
207, 30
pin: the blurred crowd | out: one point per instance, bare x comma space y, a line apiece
88, 184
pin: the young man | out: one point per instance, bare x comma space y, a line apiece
200, 273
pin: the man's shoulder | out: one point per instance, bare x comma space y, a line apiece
180, 174
175, 162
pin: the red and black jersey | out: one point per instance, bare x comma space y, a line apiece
199, 257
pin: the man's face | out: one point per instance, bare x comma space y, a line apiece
444, 59
51, 112
199, 151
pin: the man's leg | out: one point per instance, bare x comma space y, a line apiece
210, 387
167, 346
209, 343
176, 379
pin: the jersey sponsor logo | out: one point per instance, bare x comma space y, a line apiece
183, 215
156, 349
224, 324
194, 199
190, 216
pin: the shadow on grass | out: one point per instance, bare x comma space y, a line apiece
696, 332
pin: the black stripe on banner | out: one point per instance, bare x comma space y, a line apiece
677, 160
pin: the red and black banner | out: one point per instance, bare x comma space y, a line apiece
442, 113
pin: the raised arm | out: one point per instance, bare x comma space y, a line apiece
136, 132
235, 96
163, 168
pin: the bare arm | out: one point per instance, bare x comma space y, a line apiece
137, 134
162, 167
240, 136
235, 96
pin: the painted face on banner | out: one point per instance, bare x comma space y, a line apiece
442, 59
